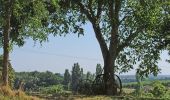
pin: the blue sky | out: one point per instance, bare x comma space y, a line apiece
62, 52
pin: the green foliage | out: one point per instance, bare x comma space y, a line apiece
89, 76
85, 87
67, 79
159, 90
34, 19
81, 83
153, 89
167, 95
98, 69
133, 24
149, 95
34, 80
81, 74
54, 89
27, 20
76, 75
165, 29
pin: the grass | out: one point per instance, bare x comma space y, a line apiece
128, 94
7, 94
146, 82
101, 97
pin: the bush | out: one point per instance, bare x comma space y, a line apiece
84, 87
148, 95
53, 89
159, 90
167, 95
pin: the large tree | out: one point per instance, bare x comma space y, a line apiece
121, 28
30, 19
20, 19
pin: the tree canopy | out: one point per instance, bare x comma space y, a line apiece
125, 31
128, 32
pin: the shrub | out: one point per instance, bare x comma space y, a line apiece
159, 90
147, 95
167, 95
53, 89
84, 87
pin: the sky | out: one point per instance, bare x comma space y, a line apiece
60, 53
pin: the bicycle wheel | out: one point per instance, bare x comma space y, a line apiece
98, 85
118, 84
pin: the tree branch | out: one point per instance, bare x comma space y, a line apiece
90, 8
96, 28
99, 8
101, 40
114, 8
85, 11
128, 40
111, 13
123, 19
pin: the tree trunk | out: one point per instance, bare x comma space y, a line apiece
6, 33
109, 80
109, 53
109, 59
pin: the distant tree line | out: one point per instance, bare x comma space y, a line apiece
70, 80
34, 81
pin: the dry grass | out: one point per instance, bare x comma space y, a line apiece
21, 95
128, 90
6, 94
6, 91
